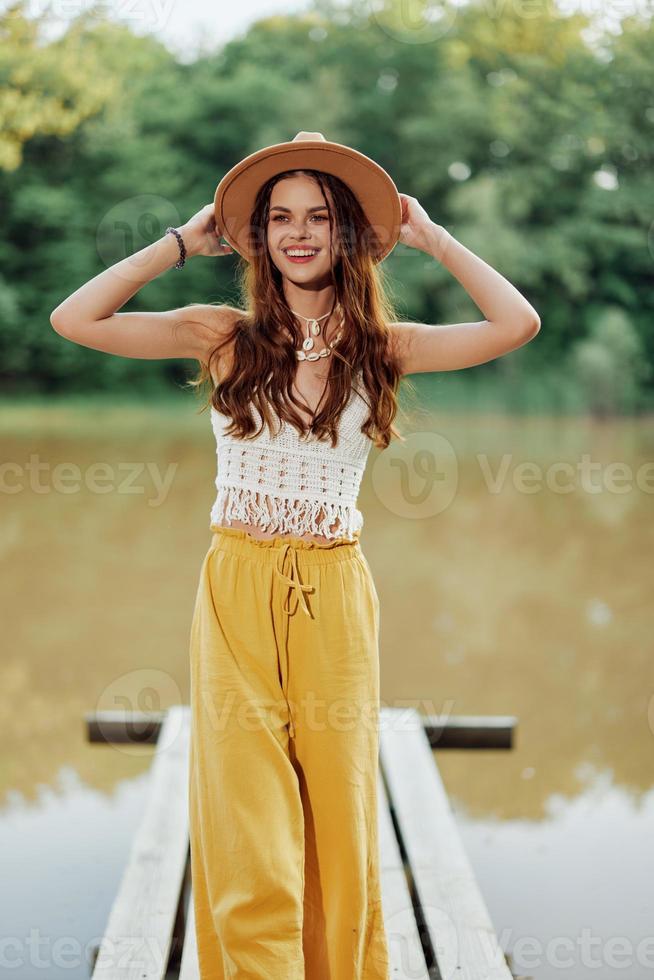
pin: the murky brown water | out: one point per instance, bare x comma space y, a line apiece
532, 596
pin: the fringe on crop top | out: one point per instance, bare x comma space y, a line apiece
289, 485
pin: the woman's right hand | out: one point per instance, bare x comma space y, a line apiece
200, 234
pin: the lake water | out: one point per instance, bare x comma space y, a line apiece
513, 561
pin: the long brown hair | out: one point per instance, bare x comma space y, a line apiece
264, 362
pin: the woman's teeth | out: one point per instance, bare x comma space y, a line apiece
301, 255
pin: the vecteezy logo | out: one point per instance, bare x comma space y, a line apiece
418, 477
413, 21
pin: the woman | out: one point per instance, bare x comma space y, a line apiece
285, 630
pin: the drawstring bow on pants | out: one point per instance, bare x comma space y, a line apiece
292, 582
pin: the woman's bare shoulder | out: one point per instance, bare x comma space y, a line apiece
219, 317
218, 321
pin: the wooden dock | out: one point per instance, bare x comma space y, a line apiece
437, 923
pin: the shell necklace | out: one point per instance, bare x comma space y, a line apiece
306, 352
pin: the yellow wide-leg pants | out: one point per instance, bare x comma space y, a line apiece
284, 661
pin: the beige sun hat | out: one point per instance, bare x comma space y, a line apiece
236, 193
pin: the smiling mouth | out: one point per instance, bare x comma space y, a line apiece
306, 255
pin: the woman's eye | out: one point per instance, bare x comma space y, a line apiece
282, 217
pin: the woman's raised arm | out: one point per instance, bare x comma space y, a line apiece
89, 315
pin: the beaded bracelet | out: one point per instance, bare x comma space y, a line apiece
182, 247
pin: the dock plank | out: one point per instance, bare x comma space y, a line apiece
407, 960
189, 968
137, 941
459, 926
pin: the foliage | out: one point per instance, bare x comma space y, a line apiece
610, 366
531, 144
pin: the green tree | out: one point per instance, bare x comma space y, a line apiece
610, 364
530, 143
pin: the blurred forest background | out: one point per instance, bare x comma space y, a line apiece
529, 135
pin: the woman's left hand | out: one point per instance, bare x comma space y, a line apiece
415, 223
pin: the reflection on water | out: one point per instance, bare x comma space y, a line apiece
63, 858
571, 894
524, 588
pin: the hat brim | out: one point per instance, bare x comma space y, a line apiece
375, 189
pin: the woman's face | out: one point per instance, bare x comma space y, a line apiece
300, 219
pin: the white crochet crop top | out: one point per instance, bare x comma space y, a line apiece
289, 485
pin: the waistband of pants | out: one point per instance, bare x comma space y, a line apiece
236, 541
